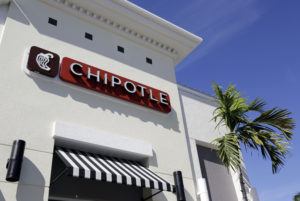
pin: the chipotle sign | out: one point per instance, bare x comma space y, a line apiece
96, 79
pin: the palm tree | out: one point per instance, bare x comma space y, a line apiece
268, 131
297, 197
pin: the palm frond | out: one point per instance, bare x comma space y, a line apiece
271, 145
269, 133
231, 107
257, 105
297, 197
228, 150
279, 119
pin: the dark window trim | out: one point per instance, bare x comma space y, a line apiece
149, 60
121, 49
52, 21
88, 36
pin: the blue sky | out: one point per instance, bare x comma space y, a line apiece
255, 45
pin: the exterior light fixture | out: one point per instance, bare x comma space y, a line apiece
14, 163
179, 187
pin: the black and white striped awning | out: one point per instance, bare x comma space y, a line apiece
110, 169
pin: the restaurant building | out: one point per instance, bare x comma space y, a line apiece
89, 93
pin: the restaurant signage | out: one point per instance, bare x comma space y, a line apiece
43, 62
96, 79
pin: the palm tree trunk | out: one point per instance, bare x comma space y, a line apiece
243, 187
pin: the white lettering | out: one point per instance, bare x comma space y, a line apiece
105, 78
133, 90
163, 98
115, 81
142, 90
151, 95
72, 67
90, 74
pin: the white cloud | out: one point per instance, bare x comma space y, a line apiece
217, 21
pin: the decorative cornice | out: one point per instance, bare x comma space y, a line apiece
2, 2
118, 26
203, 96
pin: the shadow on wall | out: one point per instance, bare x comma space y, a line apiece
168, 121
27, 192
1, 196
152, 161
188, 196
163, 197
149, 192
95, 100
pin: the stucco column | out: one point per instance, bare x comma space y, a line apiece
202, 191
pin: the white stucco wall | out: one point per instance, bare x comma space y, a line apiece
201, 130
30, 105
199, 110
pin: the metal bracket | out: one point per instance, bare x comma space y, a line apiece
147, 198
59, 175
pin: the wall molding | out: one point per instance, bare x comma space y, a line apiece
116, 26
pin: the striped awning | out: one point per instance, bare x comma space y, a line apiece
110, 169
